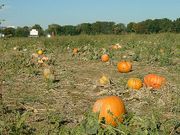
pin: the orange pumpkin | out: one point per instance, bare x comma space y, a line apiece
134, 83
45, 58
154, 81
124, 66
75, 50
105, 57
110, 108
115, 47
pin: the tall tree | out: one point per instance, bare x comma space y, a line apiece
9, 32
130, 27
84, 28
69, 30
55, 28
119, 28
176, 25
102, 27
166, 25
22, 31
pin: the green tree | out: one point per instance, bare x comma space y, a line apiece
9, 32
166, 25
96, 28
130, 27
176, 25
139, 28
119, 28
84, 28
69, 30
55, 28
22, 32
102, 27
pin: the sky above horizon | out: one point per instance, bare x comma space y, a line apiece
73, 12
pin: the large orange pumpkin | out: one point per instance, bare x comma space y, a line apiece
154, 81
105, 57
134, 83
124, 66
110, 108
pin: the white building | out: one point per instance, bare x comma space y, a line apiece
34, 33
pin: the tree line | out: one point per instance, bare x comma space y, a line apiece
100, 27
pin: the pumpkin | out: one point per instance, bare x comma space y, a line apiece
154, 81
116, 46
40, 52
134, 83
104, 80
124, 66
111, 108
105, 57
40, 61
75, 50
34, 55
48, 74
45, 58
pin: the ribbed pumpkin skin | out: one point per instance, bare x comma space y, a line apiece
112, 104
154, 81
124, 67
105, 57
134, 83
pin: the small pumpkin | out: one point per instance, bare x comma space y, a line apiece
45, 58
40, 61
154, 81
134, 83
105, 57
124, 66
116, 46
40, 52
111, 108
75, 50
48, 74
104, 80
34, 55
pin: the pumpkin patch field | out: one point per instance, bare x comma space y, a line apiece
88, 85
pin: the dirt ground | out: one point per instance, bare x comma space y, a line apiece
77, 87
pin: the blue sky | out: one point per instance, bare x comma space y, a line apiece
73, 12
